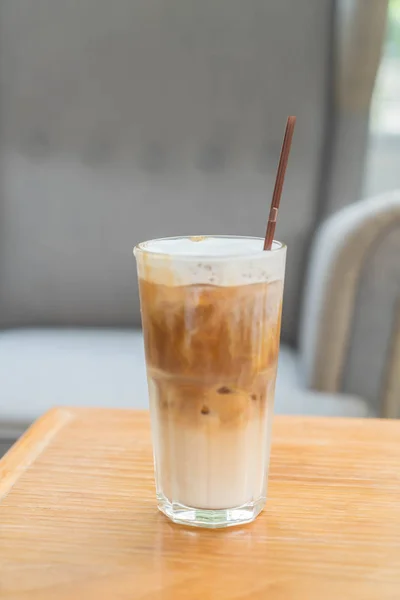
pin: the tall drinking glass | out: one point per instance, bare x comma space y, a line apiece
211, 314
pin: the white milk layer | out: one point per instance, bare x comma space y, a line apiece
214, 260
209, 466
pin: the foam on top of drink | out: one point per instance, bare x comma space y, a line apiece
214, 260
205, 246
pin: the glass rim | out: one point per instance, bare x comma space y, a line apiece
141, 249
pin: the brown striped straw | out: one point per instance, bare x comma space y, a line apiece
280, 178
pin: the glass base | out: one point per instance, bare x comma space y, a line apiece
211, 519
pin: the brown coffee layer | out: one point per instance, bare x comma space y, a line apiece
226, 334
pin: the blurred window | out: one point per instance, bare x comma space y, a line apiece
383, 158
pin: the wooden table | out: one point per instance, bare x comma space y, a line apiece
78, 518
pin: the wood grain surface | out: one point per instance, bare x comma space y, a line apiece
78, 518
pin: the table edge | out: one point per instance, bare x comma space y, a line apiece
29, 446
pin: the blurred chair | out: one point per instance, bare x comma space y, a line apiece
350, 326
130, 120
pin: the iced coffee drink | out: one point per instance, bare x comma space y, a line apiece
211, 312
